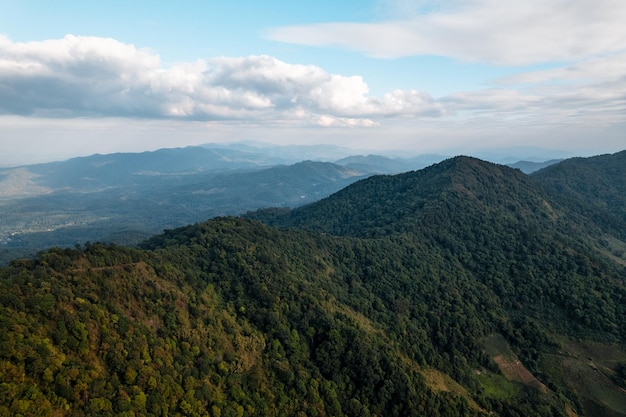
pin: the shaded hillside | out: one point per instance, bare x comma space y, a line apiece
594, 187
282, 185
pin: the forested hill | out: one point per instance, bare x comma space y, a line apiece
464, 198
501, 225
418, 201
464, 289
594, 187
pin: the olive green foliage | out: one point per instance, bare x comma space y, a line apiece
396, 275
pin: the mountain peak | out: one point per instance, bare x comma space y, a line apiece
388, 204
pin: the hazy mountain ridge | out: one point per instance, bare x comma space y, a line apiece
128, 197
97, 172
477, 298
528, 167
385, 165
94, 172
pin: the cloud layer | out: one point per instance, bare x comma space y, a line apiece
101, 77
493, 31
90, 76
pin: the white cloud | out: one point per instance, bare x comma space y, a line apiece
587, 93
561, 107
494, 31
606, 68
329, 121
89, 76
254, 96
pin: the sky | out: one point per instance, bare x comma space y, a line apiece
404, 76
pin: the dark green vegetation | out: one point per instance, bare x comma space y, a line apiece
593, 187
463, 289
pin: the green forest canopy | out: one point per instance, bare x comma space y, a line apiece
404, 295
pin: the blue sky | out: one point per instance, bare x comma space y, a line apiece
417, 76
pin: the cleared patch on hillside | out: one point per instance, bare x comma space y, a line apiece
613, 249
508, 363
587, 368
498, 387
515, 371
363, 322
439, 381
600, 395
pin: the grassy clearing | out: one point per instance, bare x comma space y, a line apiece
508, 363
586, 368
594, 387
498, 387
613, 249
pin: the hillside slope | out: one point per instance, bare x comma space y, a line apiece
594, 187
493, 220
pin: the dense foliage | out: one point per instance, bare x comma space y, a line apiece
499, 224
405, 299
594, 187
